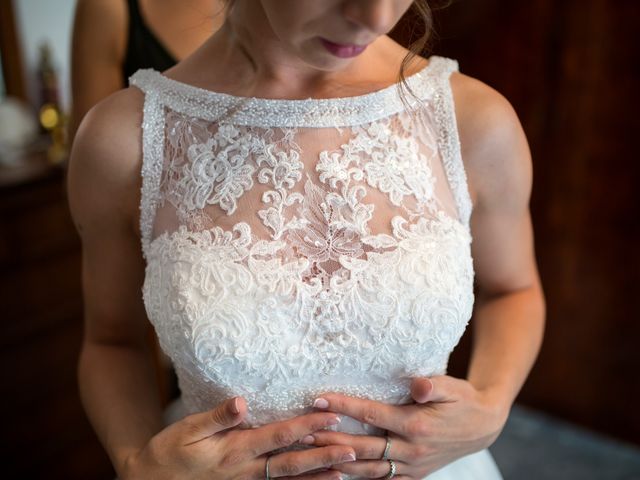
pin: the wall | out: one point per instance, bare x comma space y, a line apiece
570, 69
46, 20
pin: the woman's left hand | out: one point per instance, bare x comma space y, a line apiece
451, 419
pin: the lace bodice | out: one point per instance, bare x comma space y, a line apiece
300, 246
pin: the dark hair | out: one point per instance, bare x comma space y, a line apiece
421, 20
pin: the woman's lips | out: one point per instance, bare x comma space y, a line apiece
343, 51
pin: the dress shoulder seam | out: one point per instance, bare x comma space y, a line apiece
152, 153
449, 141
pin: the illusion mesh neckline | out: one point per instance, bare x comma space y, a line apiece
311, 112
355, 98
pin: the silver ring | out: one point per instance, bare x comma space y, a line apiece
392, 471
266, 469
387, 447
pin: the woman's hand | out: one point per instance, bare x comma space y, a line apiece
205, 446
451, 419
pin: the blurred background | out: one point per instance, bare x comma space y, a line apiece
571, 69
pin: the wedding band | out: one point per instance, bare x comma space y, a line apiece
387, 447
266, 469
392, 471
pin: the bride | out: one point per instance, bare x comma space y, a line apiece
305, 233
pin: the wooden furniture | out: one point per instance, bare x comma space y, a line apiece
45, 433
10, 53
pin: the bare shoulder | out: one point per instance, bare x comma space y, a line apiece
494, 147
104, 168
103, 190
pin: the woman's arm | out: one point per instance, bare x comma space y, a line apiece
97, 54
509, 315
115, 371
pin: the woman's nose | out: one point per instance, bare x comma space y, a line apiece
377, 16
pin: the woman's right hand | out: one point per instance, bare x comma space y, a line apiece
206, 446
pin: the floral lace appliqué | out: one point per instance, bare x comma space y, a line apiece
306, 246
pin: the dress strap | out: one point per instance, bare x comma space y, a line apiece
134, 13
152, 154
145, 79
448, 139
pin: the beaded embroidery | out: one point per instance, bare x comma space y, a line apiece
299, 246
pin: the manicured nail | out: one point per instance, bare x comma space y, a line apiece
235, 407
308, 440
334, 421
320, 403
349, 457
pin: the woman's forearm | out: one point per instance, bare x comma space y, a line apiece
120, 397
507, 334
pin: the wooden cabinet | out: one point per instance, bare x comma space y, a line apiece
45, 432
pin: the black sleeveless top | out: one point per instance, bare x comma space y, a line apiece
144, 50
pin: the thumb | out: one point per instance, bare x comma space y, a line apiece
434, 389
226, 415
421, 388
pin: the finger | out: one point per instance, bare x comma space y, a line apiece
366, 447
440, 388
287, 432
202, 425
379, 414
370, 468
298, 462
326, 475
421, 388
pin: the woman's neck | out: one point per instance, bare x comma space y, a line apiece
246, 58
251, 45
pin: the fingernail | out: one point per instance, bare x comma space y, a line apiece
349, 457
308, 440
235, 407
334, 421
320, 403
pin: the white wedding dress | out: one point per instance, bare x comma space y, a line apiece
295, 247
